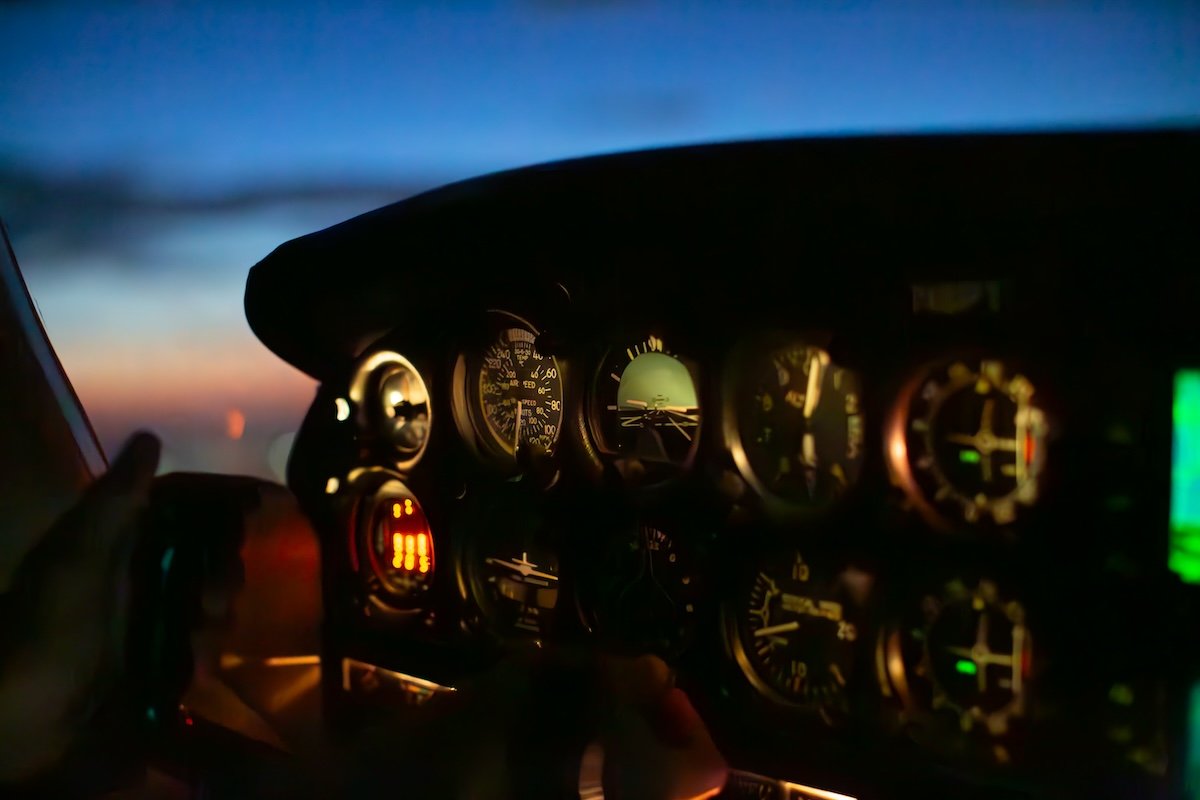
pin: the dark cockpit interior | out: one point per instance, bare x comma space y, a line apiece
888, 447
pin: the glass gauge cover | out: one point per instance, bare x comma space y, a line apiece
966, 653
404, 408
971, 444
799, 427
520, 390
796, 632
645, 592
393, 403
646, 405
395, 548
510, 567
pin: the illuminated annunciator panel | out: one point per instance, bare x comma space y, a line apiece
394, 549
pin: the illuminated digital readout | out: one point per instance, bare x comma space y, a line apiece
401, 548
410, 551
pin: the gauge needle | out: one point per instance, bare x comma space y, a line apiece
523, 567
678, 428
812, 395
786, 627
982, 658
517, 432
983, 442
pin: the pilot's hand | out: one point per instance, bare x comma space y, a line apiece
519, 732
63, 621
655, 746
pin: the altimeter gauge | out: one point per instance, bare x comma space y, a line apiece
797, 424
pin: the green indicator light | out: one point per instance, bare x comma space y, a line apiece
1184, 554
1121, 694
968, 456
966, 667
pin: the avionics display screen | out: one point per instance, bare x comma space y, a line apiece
1184, 556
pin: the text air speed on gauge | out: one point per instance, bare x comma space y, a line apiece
520, 391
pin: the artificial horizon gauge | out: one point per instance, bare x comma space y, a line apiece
798, 432
514, 392
969, 442
646, 405
796, 632
394, 550
965, 652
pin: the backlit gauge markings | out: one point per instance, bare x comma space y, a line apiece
655, 408
521, 392
800, 425
977, 440
532, 588
798, 636
649, 408
973, 650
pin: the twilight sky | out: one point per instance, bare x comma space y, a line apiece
151, 152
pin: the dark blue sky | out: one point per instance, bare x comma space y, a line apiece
151, 152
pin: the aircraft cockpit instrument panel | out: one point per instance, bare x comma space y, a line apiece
871, 440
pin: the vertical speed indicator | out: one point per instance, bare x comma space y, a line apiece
796, 633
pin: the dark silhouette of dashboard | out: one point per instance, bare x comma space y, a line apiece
870, 439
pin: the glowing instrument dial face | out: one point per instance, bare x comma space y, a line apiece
966, 654
974, 443
520, 390
646, 405
798, 630
800, 426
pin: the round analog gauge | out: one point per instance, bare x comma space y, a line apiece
515, 391
796, 633
395, 548
966, 653
394, 403
645, 592
799, 425
646, 405
510, 569
971, 444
